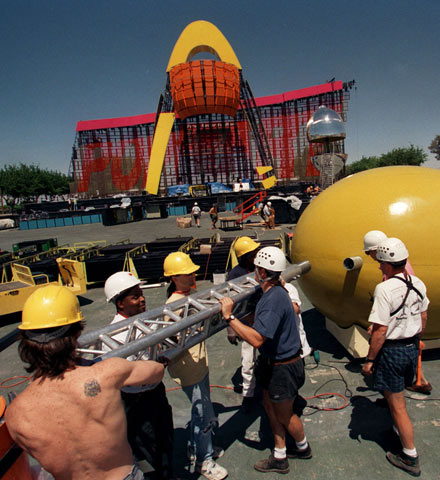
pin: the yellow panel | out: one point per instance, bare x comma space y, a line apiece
22, 273
269, 182
73, 275
400, 201
158, 149
202, 36
263, 170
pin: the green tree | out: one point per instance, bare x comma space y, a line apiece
398, 156
435, 147
365, 163
28, 182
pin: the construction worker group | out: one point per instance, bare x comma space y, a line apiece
111, 420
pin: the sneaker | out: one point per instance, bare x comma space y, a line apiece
405, 462
271, 464
302, 454
211, 470
217, 452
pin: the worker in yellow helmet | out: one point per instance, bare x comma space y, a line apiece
245, 249
190, 370
70, 418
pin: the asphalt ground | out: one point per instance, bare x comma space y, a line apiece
347, 442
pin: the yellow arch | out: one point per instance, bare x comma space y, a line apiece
202, 36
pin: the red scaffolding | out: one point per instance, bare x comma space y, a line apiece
112, 155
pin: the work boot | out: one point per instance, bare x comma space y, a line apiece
301, 454
405, 462
425, 388
211, 470
272, 464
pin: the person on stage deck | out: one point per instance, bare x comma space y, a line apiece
196, 213
213, 213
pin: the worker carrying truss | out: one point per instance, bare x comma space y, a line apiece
190, 370
70, 418
150, 435
279, 369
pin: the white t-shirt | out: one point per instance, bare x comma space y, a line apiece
267, 211
388, 296
121, 337
196, 211
294, 297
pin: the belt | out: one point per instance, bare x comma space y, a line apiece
401, 341
288, 360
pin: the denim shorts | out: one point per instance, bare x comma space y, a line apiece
281, 381
135, 474
395, 368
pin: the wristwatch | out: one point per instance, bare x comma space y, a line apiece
231, 317
368, 360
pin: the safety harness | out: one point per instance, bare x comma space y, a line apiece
408, 282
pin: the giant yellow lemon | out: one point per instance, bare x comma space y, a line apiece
403, 202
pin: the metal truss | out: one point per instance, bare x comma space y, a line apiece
169, 330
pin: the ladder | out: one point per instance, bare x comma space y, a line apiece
193, 319
249, 206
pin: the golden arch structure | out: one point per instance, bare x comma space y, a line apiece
203, 87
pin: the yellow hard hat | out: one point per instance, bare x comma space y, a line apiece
244, 245
178, 263
51, 306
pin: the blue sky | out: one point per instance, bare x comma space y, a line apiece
69, 60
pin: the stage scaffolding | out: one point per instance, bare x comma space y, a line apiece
111, 156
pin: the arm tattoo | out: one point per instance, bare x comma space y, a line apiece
92, 388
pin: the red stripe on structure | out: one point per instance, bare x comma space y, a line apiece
115, 122
260, 101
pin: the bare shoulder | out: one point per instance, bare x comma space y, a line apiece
14, 413
118, 372
111, 371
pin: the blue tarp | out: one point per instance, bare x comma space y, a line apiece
176, 190
217, 187
247, 180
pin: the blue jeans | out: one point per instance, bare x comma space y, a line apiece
203, 419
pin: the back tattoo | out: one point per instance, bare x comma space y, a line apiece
92, 388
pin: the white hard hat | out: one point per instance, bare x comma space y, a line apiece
195, 203
271, 258
118, 283
392, 250
269, 203
372, 239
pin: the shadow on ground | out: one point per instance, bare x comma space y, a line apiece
372, 423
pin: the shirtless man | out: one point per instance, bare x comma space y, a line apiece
71, 418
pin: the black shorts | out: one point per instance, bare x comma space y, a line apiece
281, 381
